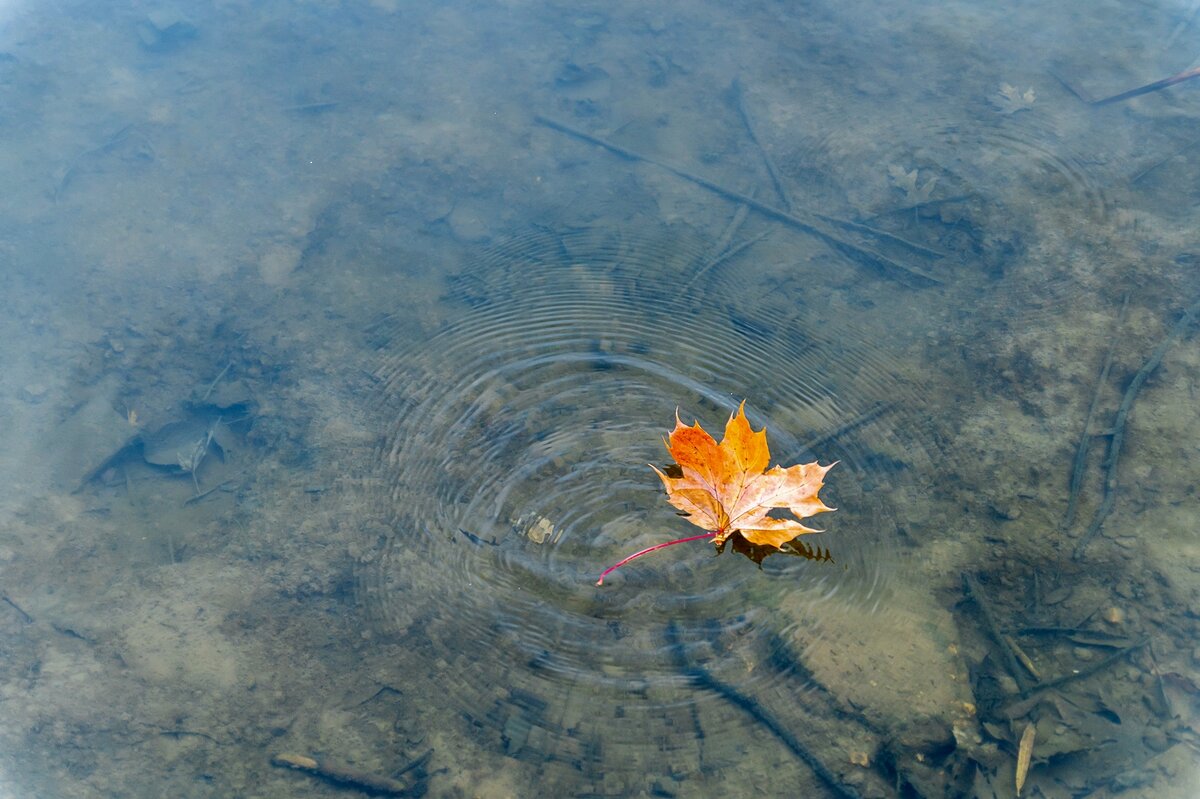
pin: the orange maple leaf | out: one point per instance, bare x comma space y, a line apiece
728, 490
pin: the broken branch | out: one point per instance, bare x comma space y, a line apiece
814, 226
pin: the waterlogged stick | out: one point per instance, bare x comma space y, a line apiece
700, 677
343, 774
815, 226
1170, 80
1118, 434
1085, 441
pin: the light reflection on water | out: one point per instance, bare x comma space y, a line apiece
557, 394
448, 340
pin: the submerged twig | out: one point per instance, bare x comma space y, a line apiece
1079, 635
128, 484
310, 109
776, 180
1118, 432
721, 251
25, 617
1159, 162
480, 540
1085, 441
1023, 658
1087, 671
1171, 80
973, 591
216, 380
738, 219
1184, 23
203, 494
114, 141
190, 461
703, 678
725, 255
866, 417
916, 206
416, 762
179, 732
343, 774
813, 226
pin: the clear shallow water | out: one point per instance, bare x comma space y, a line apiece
437, 341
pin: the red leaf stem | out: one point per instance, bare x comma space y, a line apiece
648, 550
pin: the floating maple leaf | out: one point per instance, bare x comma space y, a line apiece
728, 490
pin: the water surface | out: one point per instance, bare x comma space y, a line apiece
340, 337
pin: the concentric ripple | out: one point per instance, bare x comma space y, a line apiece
513, 470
